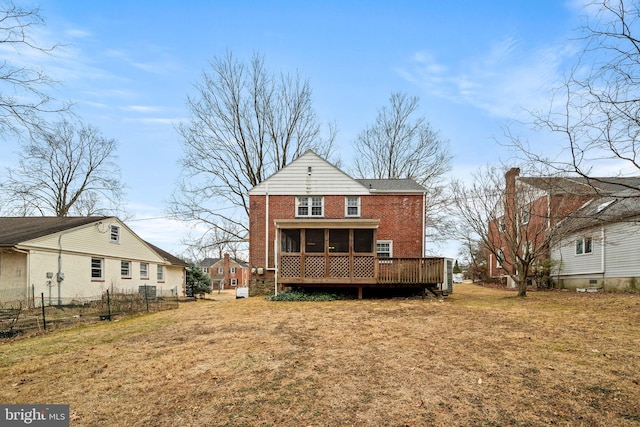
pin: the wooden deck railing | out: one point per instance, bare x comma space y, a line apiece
345, 269
410, 270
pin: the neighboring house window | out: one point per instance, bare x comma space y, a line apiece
584, 245
499, 258
234, 282
144, 270
352, 204
205, 269
525, 215
384, 248
232, 270
114, 233
160, 273
501, 225
309, 206
96, 268
125, 269
220, 270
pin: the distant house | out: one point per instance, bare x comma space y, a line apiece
534, 205
599, 248
314, 226
225, 273
78, 258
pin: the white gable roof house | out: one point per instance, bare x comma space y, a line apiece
599, 249
70, 259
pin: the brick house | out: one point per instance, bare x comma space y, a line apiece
313, 226
225, 272
532, 207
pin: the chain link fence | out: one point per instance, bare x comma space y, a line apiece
38, 314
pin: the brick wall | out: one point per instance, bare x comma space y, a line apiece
400, 221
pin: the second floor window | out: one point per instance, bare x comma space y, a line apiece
220, 270
309, 206
352, 204
114, 233
232, 270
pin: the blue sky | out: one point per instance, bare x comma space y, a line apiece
129, 65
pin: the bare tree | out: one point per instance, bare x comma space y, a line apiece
516, 219
68, 170
246, 124
23, 94
472, 252
216, 242
402, 144
597, 109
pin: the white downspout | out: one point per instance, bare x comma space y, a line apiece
266, 230
424, 224
602, 257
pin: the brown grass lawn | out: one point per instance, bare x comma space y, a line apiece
481, 358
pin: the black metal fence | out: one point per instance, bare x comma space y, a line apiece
18, 318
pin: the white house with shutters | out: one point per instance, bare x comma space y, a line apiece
79, 258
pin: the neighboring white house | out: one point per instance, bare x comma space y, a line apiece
600, 248
79, 258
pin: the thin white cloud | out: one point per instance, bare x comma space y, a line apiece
77, 33
142, 108
503, 81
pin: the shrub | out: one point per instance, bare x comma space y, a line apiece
303, 296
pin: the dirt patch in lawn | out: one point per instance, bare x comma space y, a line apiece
483, 357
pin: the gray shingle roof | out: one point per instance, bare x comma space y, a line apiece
14, 230
604, 210
580, 185
406, 184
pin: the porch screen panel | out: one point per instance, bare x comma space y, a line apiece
314, 240
339, 241
290, 240
363, 240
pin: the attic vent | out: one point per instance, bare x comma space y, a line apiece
309, 170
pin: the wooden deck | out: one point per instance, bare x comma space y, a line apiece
354, 270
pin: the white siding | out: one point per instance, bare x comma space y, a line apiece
622, 251
295, 179
14, 276
620, 243
70, 252
95, 239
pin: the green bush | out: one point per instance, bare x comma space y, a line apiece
303, 296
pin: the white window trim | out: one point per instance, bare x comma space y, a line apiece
390, 242
114, 233
583, 245
128, 276
144, 272
101, 260
309, 205
220, 270
347, 206
234, 282
232, 270
160, 273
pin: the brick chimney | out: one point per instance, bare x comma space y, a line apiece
225, 266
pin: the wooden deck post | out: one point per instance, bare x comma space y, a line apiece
359, 292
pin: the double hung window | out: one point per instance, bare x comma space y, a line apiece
309, 206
